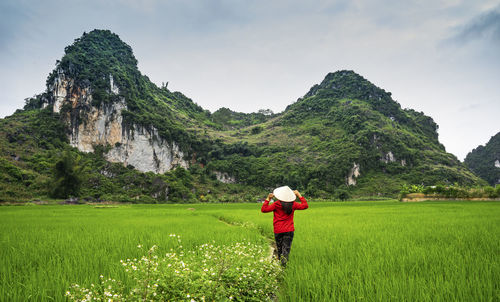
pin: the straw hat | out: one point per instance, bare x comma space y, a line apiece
284, 194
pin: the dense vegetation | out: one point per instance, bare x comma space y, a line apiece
449, 192
229, 119
34, 165
485, 160
343, 121
313, 145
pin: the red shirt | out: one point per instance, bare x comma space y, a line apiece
282, 222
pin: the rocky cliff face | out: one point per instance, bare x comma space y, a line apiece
103, 125
146, 151
353, 174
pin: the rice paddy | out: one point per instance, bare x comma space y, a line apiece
373, 251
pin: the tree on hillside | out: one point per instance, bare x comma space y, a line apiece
265, 111
66, 179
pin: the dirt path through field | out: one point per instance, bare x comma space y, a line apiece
271, 243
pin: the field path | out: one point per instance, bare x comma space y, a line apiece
271, 243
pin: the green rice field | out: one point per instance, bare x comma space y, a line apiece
350, 251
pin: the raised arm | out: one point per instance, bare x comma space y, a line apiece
303, 202
266, 207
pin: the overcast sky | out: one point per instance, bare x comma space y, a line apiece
439, 57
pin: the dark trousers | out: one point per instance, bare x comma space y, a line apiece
283, 245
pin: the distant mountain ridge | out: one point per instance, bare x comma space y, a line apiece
345, 134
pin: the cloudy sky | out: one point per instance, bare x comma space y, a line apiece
441, 57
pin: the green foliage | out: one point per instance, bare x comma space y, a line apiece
451, 192
225, 118
179, 185
347, 84
14, 181
35, 102
482, 160
93, 58
341, 194
414, 188
28, 143
256, 130
31, 145
67, 180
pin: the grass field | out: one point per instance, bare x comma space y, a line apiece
373, 251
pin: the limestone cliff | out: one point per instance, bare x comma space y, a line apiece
90, 125
353, 174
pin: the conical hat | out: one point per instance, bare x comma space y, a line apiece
284, 194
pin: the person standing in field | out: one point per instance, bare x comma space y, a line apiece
283, 209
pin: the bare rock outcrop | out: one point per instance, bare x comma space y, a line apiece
353, 174
91, 125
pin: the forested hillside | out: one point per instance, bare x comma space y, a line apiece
485, 160
104, 131
342, 127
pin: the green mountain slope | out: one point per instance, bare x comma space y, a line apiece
32, 142
97, 56
485, 160
344, 125
345, 134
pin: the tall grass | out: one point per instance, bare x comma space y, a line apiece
375, 251
385, 251
43, 249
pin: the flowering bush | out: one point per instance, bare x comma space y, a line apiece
238, 272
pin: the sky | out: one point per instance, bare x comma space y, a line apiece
441, 57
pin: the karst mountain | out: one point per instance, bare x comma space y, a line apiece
130, 140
